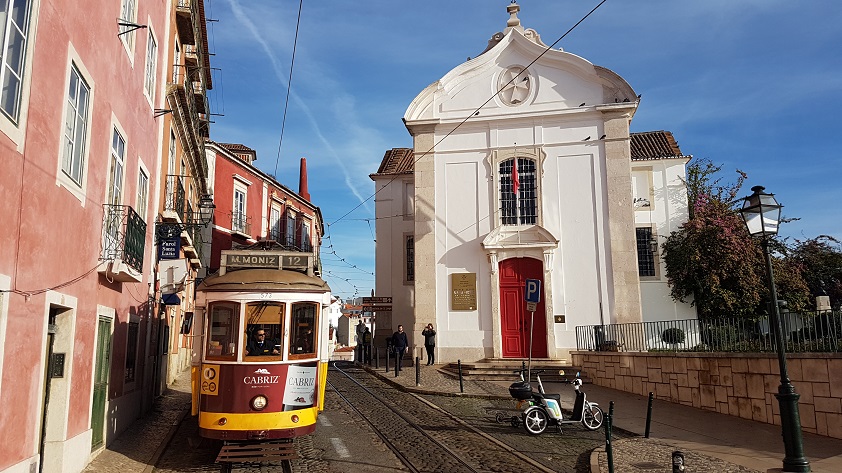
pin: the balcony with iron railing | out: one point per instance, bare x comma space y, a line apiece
175, 202
123, 243
240, 224
187, 15
193, 240
192, 56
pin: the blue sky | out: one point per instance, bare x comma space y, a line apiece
754, 85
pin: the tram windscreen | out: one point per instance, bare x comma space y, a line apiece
264, 329
303, 331
222, 331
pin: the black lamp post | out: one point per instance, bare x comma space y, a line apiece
762, 214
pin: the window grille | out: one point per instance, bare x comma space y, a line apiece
645, 252
410, 258
518, 192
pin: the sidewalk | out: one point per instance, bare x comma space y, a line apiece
710, 441
138, 448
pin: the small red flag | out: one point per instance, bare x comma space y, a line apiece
515, 180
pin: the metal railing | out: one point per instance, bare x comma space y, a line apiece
124, 235
240, 223
176, 195
802, 332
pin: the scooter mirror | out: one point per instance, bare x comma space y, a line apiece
577, 373
561, 372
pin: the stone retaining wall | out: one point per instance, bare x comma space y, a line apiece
738, 384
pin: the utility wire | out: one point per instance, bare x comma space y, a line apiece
289, 86
475, 112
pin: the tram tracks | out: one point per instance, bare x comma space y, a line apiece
423, 436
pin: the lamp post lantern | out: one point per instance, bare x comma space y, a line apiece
200, 218
762, 215
206, 207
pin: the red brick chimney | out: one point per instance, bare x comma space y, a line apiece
302, 181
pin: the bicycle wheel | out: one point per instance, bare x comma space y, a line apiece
592, 417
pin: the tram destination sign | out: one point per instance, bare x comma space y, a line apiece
252, 261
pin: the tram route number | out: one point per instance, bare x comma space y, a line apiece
209, 385
299, 262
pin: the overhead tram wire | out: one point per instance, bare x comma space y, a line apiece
289, 86
476, 111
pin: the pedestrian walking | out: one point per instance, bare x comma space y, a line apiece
360, 329
367, 346
400, 344
430, 343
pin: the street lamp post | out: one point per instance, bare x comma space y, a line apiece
762, 214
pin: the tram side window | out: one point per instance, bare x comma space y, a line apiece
264, 329
303, 330
222, 331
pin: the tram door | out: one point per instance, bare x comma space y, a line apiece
101, 371
515, 321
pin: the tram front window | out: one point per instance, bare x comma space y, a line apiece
264, 330
222, 328
303, 331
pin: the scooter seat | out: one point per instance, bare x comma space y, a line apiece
556, 397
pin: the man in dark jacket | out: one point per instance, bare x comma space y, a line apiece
400, 344
259, 345
430, 343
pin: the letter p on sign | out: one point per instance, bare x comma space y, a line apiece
533, 291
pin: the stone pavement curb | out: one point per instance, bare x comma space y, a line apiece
141, 445
165, 441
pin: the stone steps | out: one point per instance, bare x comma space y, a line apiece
504, 369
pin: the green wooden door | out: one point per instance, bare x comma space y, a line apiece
101, 371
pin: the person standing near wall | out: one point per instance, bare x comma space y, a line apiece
430, 343
367, 346
401, 345
360, 329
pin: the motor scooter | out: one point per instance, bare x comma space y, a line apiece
545, 409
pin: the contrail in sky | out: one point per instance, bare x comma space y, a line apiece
242, 18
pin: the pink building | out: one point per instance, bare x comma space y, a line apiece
81, 147
252, 206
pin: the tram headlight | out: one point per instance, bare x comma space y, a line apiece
259, 402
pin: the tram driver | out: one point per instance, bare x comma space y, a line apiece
260, 346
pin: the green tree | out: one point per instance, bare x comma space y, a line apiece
820, 262
713, 260
703, 182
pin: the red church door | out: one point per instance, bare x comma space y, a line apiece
514, 319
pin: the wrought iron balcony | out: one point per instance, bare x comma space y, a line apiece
241, 224
124, 236
176, 196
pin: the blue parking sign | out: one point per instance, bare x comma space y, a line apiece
533, 291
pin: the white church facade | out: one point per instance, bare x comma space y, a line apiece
545, 182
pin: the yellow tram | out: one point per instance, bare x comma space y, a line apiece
260, 368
